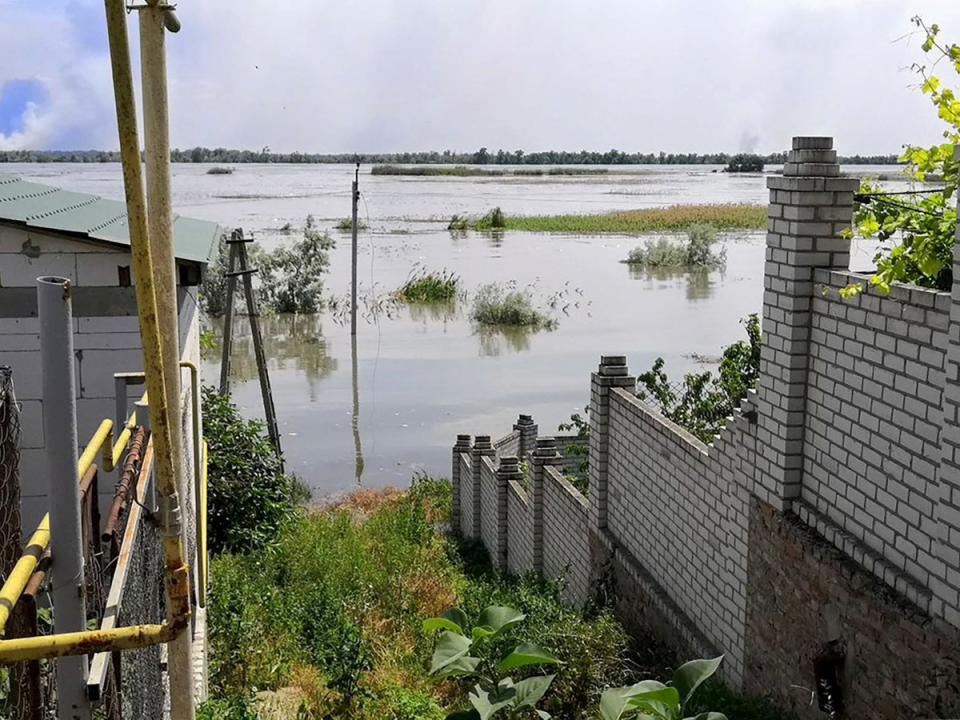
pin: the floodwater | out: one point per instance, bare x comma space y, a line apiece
421, 375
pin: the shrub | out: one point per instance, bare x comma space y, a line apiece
702, 402
745, 162
696, 252
423, 286
249, 497
291, 278
497, 304
346, 225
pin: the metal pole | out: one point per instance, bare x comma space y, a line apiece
156, 127
353, 256
60, 431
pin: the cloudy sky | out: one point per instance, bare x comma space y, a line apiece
389, 75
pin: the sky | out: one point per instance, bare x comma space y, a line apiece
408, 75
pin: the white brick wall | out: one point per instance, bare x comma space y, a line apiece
566, 537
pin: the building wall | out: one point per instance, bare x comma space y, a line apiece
489, 526
566, 532
519, 530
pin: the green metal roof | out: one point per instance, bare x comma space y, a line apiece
51, 208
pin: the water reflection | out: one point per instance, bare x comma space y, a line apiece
355, 418
291, 342
442, 313
699, 284
503, 340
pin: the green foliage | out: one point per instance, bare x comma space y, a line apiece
424, 286
250, 499
493, 220
291, 278
922, 226
745, 162
676, 218
652, 700
346, 225
696, 252
499, 304
579, 448
464, 651
458, 223
703, 402
233, 708
220, 170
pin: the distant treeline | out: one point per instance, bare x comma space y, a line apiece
480, 157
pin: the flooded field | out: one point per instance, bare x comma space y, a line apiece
422, 375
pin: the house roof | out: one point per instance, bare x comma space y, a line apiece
46, 207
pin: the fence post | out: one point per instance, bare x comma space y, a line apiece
544, 454
462, 446
946, 599
612, 373
481, 447
528, 435
60, 431
810, 208
509, 469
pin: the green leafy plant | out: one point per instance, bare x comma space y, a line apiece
291, 278
249, 496
702, 402
923, 224
464, 651
346, 225
653, 700
500, 304
579, 448
424, 286
696, 252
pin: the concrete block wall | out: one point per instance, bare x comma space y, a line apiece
489, 507
519, 530
566, 538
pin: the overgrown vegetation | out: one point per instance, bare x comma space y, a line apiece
578, 450
289, 278
346, 225
745, 162
924, 225
463, 171
669, 219
219, 170
426, 286
250, 499
504, 305
696, 252
702, 402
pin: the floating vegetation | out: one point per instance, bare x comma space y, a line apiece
669, 219
504, 305
425, 286
464, 171
346, 225
220, 170
696, 252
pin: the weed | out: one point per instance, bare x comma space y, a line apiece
425, 286
499, 304
346, 225
696, 252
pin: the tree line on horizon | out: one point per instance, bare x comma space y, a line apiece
480, 157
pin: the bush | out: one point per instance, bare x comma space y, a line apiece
346, 225
745, 162
696, 252
702, 402
497, 304
250, 498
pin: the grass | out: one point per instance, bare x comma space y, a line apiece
346, 225
669, 219
220, 170
496, 304
694, 253
424, 286
464, 171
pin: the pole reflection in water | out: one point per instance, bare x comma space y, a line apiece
357, 447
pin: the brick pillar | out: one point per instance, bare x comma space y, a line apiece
528, 435
946, 588
462, 446
810, 207
481, 447
612, 373
545, 454
509, 469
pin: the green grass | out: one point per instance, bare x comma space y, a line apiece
424, 286
696, 252
669, 219
346, 225
496, 304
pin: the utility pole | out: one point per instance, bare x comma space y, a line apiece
353, 254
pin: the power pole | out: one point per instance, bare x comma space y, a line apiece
353, 254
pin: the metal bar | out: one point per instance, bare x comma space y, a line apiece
128, 475
20, 575
60, 428
238, 273
227, 351
30, 704
197, 462
202, 544
269, 411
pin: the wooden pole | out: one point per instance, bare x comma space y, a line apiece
227, 350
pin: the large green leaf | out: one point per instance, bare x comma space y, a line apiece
691, 675
613, 702
530, 691
649, 696
488, 702
450, 648
497, 619
465, 665
708, 716
453, 619
526, 654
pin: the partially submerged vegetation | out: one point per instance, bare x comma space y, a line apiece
702, 402
669, 219
219, 170
464, 171
426, 286
505, 305
346, 225
745, 163
697, 251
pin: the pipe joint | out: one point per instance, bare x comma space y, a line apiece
171, 522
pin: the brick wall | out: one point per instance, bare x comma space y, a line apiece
489, 526
566, 537
466, 494
519, 530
